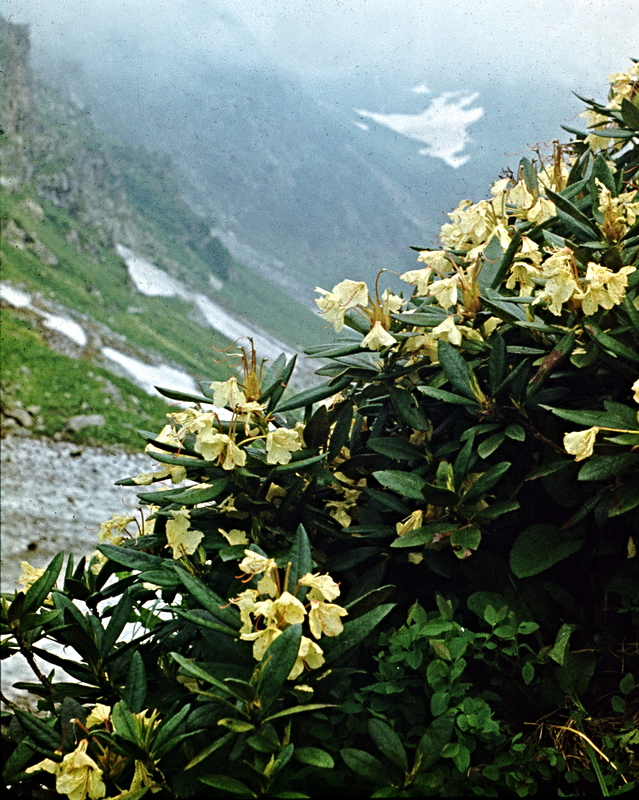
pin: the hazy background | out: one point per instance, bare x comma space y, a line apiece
324, 137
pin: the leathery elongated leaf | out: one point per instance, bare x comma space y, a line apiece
388, 742
300, 559
277, 664
38, 591
455, 368
540, 547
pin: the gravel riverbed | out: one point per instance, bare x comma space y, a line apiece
54, 497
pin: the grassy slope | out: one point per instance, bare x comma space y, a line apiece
63, 387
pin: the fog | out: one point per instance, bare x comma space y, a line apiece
564, 42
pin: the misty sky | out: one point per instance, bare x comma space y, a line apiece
575, 43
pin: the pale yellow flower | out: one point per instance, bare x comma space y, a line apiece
437, 260
246, 602
391, 303
447, 331
255, 564
234, 536
603, 287
112, 531
287, 610
100, 715
227, 393
310, 655
635, 389
559, 288
445, 291
219, 447
276, 494
412, 521
182, 539
78, 776
176, 473
281, 444
323, 587
420, 278
324, 618
29, 574
345, 295
580, 444
262, 640
377, 337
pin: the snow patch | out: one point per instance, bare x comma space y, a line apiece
442, 126
64, 325
149, 279
148, 376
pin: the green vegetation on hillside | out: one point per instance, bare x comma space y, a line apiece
63, 387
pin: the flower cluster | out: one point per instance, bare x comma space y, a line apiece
267, 610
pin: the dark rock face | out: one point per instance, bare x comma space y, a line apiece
15, 78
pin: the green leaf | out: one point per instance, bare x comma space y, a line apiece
493, 274
317, 429
186, 397
300, 558
497, 362
599, 467
516, 432
314, 756
211, 748
236, 725
599, 419
276, 665
295, 465
124, 724
568, 211
437, 736
447, 397
310, 396
540, 547
354, 631
396, 448
488, 446
466, 538
560, 647
119, 618
601, 170
630, 114
275, 391
388, 742
408, 409
194, 671
405, 484
365, 765
37, 593
439, 703
165, 734
625, 497
610, 344
455, 368
133, 559
528, 673
486, 481
42, 732
423, 534
134, 693
227, 784
201, 494
208, 599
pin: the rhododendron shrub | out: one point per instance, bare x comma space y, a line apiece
416, 578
